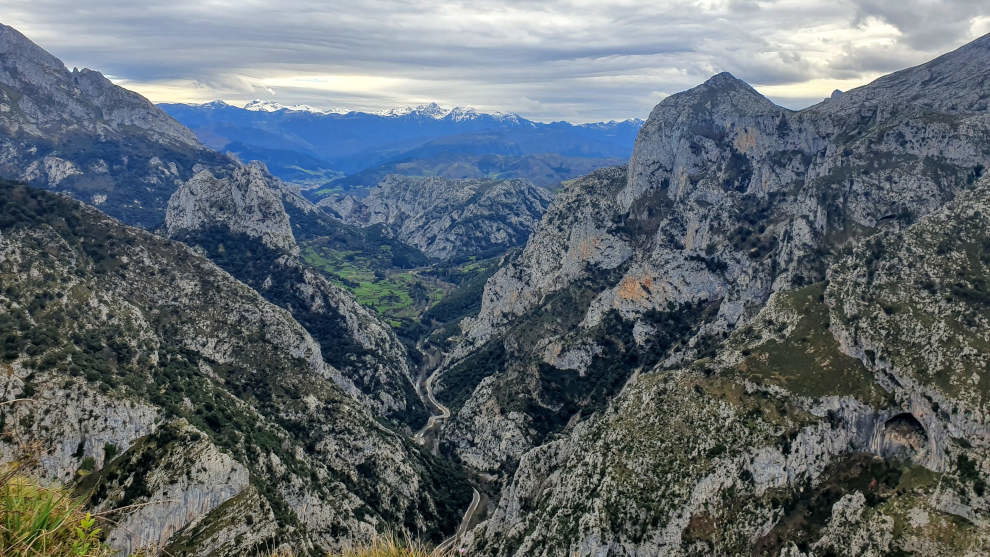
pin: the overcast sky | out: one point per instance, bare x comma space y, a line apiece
579, 60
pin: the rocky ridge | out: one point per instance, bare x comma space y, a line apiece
445, 218
546, 170
76, 132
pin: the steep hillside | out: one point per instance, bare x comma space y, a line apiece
848, 418
149, 375
78, 133
237, 214
446, 218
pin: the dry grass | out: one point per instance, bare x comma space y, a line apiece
41, 521
391, 545
388, 545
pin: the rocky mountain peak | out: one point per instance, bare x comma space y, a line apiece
727, 81
722, 121
77, 132
722, 91
244, 200
43, 82
16, 48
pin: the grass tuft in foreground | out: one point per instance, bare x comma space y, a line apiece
387, 545
41, 521
391, 545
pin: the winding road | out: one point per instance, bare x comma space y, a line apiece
448, 543
427, 436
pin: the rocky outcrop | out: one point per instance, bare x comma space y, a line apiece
216, 534
211, 478
446, 218
182, 387
247, 201
76, 132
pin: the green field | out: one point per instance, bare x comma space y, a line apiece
394, 294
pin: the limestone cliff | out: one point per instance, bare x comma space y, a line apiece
445, 217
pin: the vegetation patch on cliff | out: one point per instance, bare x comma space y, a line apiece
805, 359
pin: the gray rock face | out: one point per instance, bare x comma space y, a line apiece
577, 232
912, 307
211, 478
247, 201
444, 217
72, 432
202, 388
826, 390
87, 101
727, 199
77, 132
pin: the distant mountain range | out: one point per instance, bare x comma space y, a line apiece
315, 146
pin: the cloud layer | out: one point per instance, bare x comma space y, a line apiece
580, 60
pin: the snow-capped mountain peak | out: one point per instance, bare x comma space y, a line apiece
459, 114
432, 110
218, 103
259, 105
437, 112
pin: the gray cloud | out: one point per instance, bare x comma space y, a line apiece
926, 25
580, 60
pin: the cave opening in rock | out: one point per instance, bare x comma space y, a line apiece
903, 436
